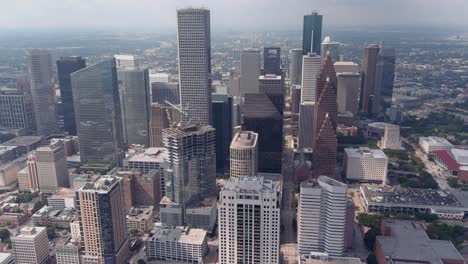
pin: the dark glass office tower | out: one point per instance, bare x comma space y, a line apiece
387, 56
65, 67
312, 33
98, 114
222, 122
368, 80
272, 60
260, 115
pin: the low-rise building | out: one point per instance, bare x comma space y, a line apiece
30, 245
67, 251
430, 144
407, 241
63, 198
345, 130
7, 153
7, 258
49, 216
181, 244
324, 258
141, 218
454, 161
366, 165
24, 144
9, 173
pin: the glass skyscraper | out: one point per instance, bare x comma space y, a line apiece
98, 114
312, 33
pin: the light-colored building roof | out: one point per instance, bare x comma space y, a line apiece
178, 234
147, 155
364, 151
63, 193
248, 184
244, 139
435, 141
102, 185
30, 231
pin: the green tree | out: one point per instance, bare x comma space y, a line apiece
370, 237
4, 234
372, 259
453, 182
134, 232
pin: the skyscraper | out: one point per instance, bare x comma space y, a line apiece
272, 60
385, 76
312, 33
321, 216
250, 66
42, 91
249, 225
306, 124
325, 116
332, 47
165, 91
348, 92
65, 67
222, 122
273, 86
310, 69
51, 165
295, 102
102, 216
16, 112
194, 51
135, 104
98, 114
191, 167
295, 68
162, 116
368, 79
124, 61
31, 245
244, 154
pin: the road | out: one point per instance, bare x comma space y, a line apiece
288, 211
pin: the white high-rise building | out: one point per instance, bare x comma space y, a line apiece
31, 245
123, 61
249, 221
42, 91
364, 164
391, 137
194, 54
244, 154
310, 69
322, 214
332, 47
51, 165
250, 67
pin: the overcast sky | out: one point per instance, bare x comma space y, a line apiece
227, 14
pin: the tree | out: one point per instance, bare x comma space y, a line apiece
4, 234
372, 259
370, 238
453, 182
134, 232
140, 261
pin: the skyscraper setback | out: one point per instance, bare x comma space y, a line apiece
65, 67
98, 114
194, 51
42, 91
312, 33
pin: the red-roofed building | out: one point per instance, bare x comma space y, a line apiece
454, 164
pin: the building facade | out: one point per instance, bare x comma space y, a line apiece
369, 96
310, 69
250, 66
244, 154
65, 67
249, 221
165, 91
194, 51
391, 138
273, 86
295, 67
322, 216
16, 112
312, 33
222, 122
51, 166
272, 61
348, 92
306, 124
31, 245
364, 164
98, 113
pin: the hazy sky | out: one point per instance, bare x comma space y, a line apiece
227, 14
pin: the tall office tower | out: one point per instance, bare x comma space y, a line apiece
272, 60
250, 66
135, 105
273, 86
65, 67
249, 221
312, 33
385, 76
123, 61
321, 216
306, 124
369, 67
244, 154
325, 116
98, 114
165, 91
310, 69
42, 91
51, 164
348, 92
222, 122
332, 47
260, 116
295, 92
391, 138
295, 68
191, 166
103, 223
194, 50
162, 116
16, 112
31, 245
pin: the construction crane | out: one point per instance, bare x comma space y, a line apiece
183, 112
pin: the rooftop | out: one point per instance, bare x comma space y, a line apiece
48, 212
270, 77
4, 256
4, 149
22, 140
410, 196
345, 63
188, 130
30, 231
365, 151
140, 212
380, 125
438, 141
147, 155
103, 184
63, 193
177, 234
244, 139
246, 184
